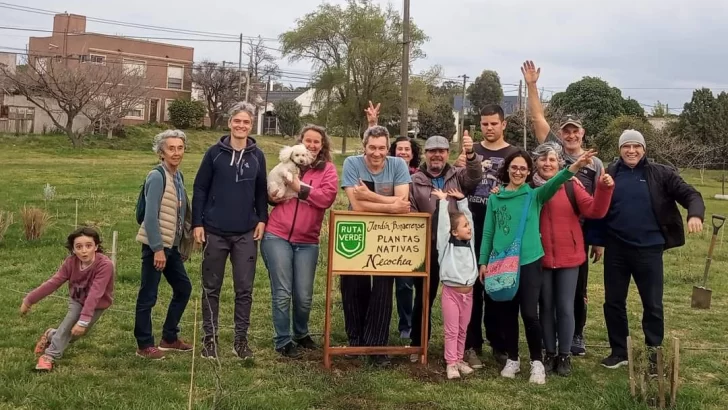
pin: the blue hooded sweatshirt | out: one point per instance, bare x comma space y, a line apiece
230, 195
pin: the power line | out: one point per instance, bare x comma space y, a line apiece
17, 7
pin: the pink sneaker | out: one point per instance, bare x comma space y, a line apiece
45, 363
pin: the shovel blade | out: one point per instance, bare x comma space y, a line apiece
701, 298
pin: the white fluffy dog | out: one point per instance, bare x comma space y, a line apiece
290, 159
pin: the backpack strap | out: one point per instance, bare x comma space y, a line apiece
569, 186
161, 170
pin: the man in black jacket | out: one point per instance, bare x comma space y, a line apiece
643, 221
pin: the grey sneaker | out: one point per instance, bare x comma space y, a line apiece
242, 350
472, 359
578, 346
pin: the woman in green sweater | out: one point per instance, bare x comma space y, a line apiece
502, 220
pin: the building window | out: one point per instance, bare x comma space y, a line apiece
135, 67
94, 59
167, 103
174, 77
136, 113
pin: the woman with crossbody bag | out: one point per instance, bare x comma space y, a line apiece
511, 252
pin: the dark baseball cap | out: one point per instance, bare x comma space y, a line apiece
571, 121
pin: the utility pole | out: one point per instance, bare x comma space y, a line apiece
240, 68
404, 118
461, 131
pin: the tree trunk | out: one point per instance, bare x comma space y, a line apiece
76, 140
110, 132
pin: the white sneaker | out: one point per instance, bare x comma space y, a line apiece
414, 358
538, 373
511, 368
452, 371
464, 369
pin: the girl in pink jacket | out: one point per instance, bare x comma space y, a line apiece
290, 246
90, 277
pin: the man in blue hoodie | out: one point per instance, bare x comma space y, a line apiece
229, 213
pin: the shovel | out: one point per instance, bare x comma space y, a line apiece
701, 294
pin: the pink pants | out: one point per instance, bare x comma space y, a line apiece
456, 311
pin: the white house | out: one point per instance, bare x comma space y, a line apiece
267, 121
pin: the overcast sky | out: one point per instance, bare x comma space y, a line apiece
651, 49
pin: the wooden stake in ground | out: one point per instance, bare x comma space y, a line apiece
76, 225
675, 379
630, 359
114, 237
192, 370
660, 378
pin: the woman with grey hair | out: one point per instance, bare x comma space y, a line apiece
290, 245
563, 245
165, 234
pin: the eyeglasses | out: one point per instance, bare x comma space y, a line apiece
516, 168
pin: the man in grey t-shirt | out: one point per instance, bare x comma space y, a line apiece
570, 137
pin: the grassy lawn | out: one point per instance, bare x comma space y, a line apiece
102, 372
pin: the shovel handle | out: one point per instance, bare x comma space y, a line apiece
718, 221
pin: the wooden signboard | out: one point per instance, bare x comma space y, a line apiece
373, 244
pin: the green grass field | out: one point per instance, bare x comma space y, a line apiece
102, 372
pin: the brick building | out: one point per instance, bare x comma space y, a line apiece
167, 67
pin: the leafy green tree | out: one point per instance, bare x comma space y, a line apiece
355, 51
288, 113
599, 103
440, 121
486, 89
659, 110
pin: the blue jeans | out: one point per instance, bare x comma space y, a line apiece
176, 275
291, 269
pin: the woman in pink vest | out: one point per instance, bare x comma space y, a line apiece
290, 246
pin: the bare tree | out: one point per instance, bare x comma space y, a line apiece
219, 87
262, 63
53, 84
109, 108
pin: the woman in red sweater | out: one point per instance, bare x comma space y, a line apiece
90, 277
563, 244
290, 245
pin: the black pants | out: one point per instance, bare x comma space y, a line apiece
367, 303
622, 261
581, 296
243, 253
485, 311
416, 333
176, 275
529, 291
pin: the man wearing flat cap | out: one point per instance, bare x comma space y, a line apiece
643, 221
436, 173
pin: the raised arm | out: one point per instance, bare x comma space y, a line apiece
443, 222
541, 127
595, 207
470, 176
